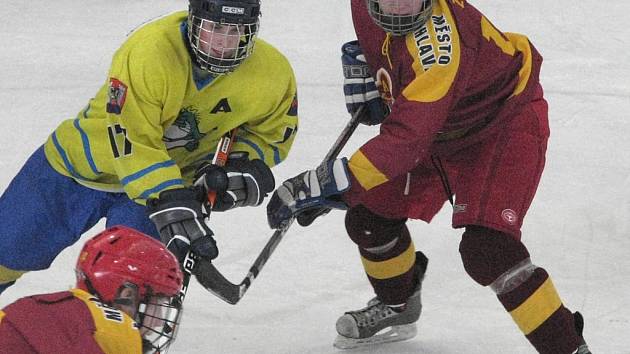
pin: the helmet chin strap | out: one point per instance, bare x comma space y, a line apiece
128, 299
90, 287
123, 301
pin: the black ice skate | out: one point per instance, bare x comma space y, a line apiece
378, 323
579, 328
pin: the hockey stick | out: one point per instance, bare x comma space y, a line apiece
220, 158
211, 279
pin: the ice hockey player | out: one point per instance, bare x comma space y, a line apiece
122, 302
174, 88
468, 119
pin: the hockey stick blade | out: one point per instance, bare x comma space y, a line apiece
212, 280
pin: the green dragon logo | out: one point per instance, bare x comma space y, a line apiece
185, 131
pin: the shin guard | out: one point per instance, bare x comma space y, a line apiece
387, 253
500, 261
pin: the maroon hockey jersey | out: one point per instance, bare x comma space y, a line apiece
66, 322
453, 82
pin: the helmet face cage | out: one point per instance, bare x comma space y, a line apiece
222, 34
157, 316
158, 319
400, 17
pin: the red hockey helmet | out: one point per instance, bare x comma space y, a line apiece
137, 274
121, 255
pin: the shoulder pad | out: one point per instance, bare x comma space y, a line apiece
53, 298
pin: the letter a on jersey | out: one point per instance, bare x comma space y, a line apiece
222, 106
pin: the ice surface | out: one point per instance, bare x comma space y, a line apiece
54, 55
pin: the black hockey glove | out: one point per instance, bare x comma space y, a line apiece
241, 182
179, 218
359, 86
310, 194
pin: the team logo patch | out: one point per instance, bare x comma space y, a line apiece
117, 94
385, 86
185, 131
509, 216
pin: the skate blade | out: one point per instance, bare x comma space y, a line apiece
388, 335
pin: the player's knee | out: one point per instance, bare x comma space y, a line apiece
371, 231
488, 254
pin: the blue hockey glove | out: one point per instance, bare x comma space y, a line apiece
359, 86
241, 182
309, 192
179, 218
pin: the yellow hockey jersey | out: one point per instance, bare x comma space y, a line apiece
156, 118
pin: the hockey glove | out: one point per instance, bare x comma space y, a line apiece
240, 183
309, 193
179, 218
359, 86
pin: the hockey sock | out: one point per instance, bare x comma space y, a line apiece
536, 308
496, 259
393, 279
387, 253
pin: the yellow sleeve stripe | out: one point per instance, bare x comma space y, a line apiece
2, 314
522, 45
510, 43
537, 308
392, 267
8, 275
365, 172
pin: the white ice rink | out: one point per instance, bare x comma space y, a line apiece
54, 55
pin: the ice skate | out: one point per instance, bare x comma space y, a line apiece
579, 328
379, 323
